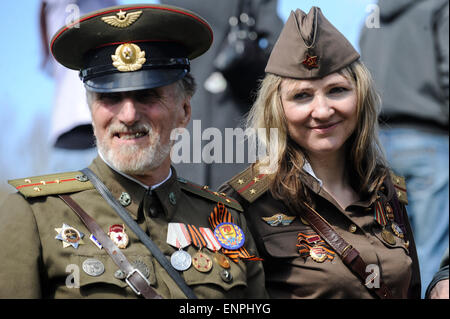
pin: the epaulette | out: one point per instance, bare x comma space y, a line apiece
400, 187
204, 192
250, 184
51, 184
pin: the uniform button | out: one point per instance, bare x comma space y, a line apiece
226, 275
352, 228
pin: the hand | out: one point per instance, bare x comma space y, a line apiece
440, 290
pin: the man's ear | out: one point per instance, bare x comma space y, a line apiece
186, 113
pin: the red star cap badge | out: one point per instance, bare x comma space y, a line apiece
310, 61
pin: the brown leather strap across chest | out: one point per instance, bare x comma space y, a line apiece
135, 279
349, 255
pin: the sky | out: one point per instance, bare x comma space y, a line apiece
26, 91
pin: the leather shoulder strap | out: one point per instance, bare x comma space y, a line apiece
135, 279
349, 255
133, 226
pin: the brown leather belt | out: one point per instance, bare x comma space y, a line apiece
135, 279
349, 255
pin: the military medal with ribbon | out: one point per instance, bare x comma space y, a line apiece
312, 245
200, 260
118, 236
229, 235
213, 245
382, 218
178, 237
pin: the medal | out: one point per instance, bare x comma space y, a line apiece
118, 235
388, 236
229, 235
181, 260
93, 267
397, 230
69, 236
202, 262
213, 245
318, 254
178, 236
314, 247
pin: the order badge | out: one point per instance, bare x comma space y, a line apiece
229, 235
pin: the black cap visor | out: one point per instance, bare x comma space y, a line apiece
131, 81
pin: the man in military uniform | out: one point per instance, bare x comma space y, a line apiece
90, 233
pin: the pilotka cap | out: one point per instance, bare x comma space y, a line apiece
132, 47
309, 47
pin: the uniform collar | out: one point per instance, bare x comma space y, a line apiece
132, 178
168, 191
309, 178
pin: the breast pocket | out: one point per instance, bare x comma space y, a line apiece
218, 282
100, 277
281, 244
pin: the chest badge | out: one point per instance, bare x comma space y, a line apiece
69, 236
229, 235
118, 235
279, 220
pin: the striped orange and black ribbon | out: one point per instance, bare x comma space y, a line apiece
196, 236
219, 215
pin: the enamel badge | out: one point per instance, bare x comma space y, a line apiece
69, 236
229, 235
118, 235
279, 220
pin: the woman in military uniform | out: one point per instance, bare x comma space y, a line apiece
327, 214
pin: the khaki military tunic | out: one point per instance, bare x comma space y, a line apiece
291, 275
34, 264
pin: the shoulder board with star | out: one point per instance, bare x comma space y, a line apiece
52, 184
204, 192
400, 187
250, 184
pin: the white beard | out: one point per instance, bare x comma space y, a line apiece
134, 159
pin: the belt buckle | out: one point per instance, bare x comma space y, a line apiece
131, 273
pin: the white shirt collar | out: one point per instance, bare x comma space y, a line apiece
308, 168
133, 179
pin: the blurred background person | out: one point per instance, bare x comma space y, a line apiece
227, 77
408, 55
70, 133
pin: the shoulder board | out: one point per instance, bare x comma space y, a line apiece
51, 184
400, 187
204, 192
250, 184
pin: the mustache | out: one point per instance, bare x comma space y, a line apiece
118, 128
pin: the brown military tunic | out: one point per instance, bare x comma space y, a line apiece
34, 264
290, 270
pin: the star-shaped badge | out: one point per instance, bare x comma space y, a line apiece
310, 61
69, 236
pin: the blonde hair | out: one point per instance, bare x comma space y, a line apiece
366, 162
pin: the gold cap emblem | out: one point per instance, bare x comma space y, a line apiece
123, 19
128, 57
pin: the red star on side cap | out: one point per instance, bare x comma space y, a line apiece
310, 61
